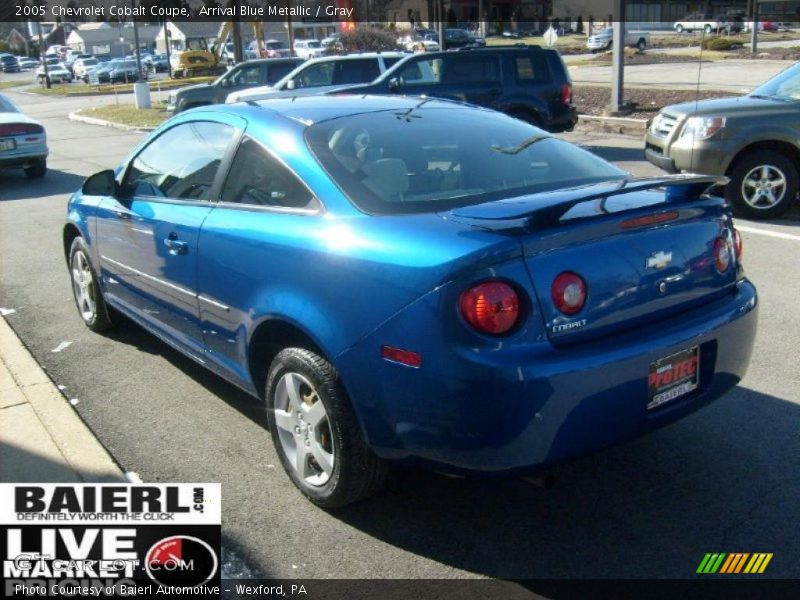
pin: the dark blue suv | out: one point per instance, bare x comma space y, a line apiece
527, 82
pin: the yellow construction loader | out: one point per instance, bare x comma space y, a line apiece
199, 59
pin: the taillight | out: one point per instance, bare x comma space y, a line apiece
737, 245
566, 94
491, 307
722, 254
20, 129
568, 292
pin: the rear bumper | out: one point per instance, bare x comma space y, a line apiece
525, 409
22, 158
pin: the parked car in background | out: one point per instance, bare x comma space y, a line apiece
245, 75
56, 72
82, 66
160, 63
323, 74
9, 63
754, 140
267, 49
417, 280
26, 62
527, 82
705, 22
306, 49
604, 40
460, 38
331, 40
116, 71
72, 57
23, 141
413, 45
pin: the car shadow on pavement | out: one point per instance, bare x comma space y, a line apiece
14, 185
722, 480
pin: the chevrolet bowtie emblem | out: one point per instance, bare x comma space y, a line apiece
659, 260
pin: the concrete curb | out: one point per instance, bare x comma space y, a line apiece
74, 116
615, 125
78, 446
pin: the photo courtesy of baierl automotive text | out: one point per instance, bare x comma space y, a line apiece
390, 298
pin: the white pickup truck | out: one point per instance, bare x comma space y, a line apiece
604, 40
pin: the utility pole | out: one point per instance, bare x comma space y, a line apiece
168, 49
754, 32
141, 89
618, 60
440, 6
43, 55
290, 27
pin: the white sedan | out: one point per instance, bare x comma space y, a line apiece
23, 141
308, 49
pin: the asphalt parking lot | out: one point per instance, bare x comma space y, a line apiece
723, 480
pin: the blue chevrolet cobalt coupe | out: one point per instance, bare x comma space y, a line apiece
403, 279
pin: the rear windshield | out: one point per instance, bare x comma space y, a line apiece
431, 159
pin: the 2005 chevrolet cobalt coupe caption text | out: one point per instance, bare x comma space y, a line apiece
416, 280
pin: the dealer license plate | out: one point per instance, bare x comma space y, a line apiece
7, 144
673, 376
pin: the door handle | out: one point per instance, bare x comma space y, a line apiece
175, 246
122, 215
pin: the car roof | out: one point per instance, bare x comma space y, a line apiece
307, 110
356, 56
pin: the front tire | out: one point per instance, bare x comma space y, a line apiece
707, 29
678, 28
86, 288
316, 433
763, 185
641, 46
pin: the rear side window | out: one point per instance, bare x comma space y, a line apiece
471, 69
256, 178
356, 71
181, 163
388, 62
421, 72
531, 68
277, 72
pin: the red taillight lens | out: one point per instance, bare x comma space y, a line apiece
737, 245
568, 292
14, 129
566, 94
722, 254
491, 307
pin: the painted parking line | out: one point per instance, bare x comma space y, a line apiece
768, 233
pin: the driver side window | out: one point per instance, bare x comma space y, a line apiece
181, 163
246, 76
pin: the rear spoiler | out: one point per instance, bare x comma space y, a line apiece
546, 209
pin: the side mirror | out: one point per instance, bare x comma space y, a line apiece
394, 84
103, 183
290, 85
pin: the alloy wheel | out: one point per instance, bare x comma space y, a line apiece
83, 286
304, 429
763, 187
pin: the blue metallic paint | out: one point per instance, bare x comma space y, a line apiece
353, 283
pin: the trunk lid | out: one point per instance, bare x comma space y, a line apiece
644, 253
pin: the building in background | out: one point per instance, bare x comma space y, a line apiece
111, 39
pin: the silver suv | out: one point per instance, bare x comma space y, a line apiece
323, 74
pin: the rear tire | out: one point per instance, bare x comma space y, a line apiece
707, 29
763, 185
316, 433
679, 29
525, 115
641, 46
37, 170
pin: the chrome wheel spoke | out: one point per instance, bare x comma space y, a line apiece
285, 420
316, 413
292, 383
301, 460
